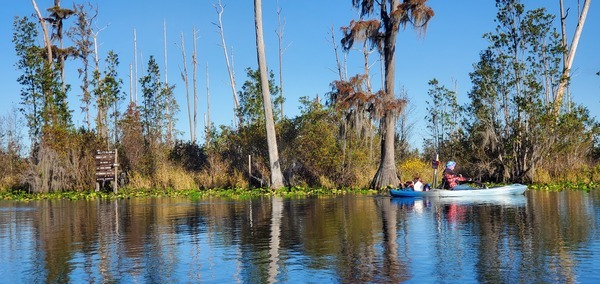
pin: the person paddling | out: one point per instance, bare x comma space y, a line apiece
450, 178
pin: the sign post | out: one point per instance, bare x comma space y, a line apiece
107, 168
434, 165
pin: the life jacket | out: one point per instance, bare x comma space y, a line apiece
450, 179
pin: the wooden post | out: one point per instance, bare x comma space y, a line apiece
116, 166
435, 165
250, 168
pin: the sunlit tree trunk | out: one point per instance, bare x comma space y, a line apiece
46, 32
276, 176
386, 173
236, 104
564, 80
338, 64
207, 123
279, 41
170, 119
194, 82
184, 76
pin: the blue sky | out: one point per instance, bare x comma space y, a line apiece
447, 52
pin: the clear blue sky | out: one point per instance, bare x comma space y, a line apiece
447, 52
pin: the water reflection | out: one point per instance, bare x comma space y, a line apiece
542, 237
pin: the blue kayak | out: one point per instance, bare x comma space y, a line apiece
463, 191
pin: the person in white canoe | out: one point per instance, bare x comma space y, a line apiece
450, 178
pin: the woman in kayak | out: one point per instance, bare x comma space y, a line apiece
450, 178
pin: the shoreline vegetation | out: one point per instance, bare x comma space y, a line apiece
241, 193
127, 193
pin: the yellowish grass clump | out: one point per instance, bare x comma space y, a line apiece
137, 180
542, 176
169, 176
414, 167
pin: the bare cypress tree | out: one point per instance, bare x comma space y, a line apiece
339, 67
279, 33
170, 131
570, 51
194, 80
236, 105
45, 31
276, 176
185, 78
207, 123
135, 63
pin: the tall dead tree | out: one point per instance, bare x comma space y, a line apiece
135, 63
195, 80
276, 176
207, 120
236, 105
570, 53
45, 31
340, 68
185, 78
279, 33
170, 129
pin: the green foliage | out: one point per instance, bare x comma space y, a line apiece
159, 106
443, 114
152, 112
511, 130
107, 92
314, 152
251, 100
81, 34
193, 194
31, 64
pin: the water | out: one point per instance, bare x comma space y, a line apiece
541, 237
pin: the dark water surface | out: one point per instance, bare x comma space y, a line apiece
540, 237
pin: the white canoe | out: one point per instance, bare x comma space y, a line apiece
463, 191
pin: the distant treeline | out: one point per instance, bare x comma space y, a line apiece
515, 126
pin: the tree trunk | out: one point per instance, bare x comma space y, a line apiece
236, 103
337, 58
564, 80
279, 40
47, 42
386, 174
195, 82
135, 63
207, 123
276, 176
170, 133
184, 76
